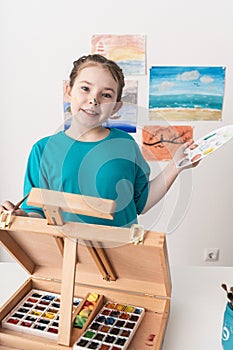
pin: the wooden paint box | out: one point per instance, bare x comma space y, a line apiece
72, 259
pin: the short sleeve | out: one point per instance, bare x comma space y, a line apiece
32, 177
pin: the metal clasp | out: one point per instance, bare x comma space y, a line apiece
5, 219
137, 234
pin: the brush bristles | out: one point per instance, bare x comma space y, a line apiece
224, 286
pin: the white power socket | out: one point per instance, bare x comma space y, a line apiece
211, 254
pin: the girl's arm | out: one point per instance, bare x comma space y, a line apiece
160, 185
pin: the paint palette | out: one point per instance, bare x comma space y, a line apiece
37, 314
112, 329
206, 145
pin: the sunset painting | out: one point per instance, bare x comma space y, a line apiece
128, 51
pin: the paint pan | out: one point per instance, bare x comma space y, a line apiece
206, 145
112, 329
37, 314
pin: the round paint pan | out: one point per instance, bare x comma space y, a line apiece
206, 145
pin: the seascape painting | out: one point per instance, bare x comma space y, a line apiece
161, 142
186, 93
126, 118
128, 51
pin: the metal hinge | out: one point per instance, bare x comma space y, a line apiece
149, 295
137, 234
42, 278
107, 278
5, 219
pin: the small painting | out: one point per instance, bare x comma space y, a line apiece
126, 118
186, 93
128, 51
161, 142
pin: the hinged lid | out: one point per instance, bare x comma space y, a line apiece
141, 268
134, 268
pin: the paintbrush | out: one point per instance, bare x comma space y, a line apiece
17, 205
229, 294
224, 286
5, 215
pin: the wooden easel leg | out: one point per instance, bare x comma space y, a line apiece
101, 260
67, 291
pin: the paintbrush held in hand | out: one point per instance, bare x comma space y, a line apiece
17, 205
229, 294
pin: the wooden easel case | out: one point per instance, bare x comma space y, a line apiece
73, 259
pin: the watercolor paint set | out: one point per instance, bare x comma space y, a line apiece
121, 274
38, 313
112, 329
206, 145
86, 310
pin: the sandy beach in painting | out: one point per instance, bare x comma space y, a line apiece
186, 114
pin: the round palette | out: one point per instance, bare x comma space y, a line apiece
206, 145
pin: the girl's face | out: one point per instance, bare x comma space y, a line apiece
93, 96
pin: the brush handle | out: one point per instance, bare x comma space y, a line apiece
17, 205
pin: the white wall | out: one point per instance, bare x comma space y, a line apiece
39, 41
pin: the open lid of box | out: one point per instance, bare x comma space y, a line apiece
137, 268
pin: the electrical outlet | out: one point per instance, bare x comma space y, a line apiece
211, 254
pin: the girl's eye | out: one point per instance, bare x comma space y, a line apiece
107, 95
85, 88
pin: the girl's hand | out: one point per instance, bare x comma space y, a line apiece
182, 152
9, 206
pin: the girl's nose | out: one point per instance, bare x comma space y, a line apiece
93, 101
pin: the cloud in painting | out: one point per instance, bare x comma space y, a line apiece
206, 79
187, 76
166, 85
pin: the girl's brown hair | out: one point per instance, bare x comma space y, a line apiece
89, 60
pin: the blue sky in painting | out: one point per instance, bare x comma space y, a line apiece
186, 87
180, 79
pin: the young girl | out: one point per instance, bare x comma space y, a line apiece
91, 160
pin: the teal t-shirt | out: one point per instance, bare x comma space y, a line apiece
112, 168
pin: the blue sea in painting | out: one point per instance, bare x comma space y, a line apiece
186, 87
186, 101
122, 126
132, 67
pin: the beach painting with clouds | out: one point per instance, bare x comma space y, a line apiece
128, 51
186, 93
